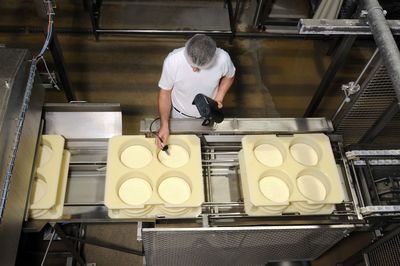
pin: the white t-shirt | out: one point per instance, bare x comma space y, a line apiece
179, 76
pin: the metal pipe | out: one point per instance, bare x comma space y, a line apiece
157, 33
163, 32
366, 66
385, 41
258, 12
95, 242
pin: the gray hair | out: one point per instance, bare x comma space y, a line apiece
200, 50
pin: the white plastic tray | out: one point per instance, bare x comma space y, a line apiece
144, 182
288, 174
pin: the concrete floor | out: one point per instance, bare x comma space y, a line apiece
276, 77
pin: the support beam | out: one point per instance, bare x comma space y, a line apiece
262, 12
98, 243
341, 26
69, 245
337, 62
58, 59
232, 18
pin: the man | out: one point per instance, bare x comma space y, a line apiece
199, 67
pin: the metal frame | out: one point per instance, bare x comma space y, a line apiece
338, 61
88, 155
89, 159
94, 9
342, 26
69, 245
381, 31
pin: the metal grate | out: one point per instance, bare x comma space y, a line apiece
374, 99
390, 134
386, 253
239, 246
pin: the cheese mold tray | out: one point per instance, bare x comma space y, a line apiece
144, 182
49, 183
285, 174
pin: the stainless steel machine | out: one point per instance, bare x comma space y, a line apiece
223, 230
223, 234
20, 116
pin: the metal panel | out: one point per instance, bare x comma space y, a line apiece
14, 70
390, 134
246, 126
83, 120
385, 252
240, 245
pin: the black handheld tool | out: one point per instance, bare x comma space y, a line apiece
165, 146
208, 109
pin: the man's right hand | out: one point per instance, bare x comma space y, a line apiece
163, 134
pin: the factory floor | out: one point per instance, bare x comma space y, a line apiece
276, 77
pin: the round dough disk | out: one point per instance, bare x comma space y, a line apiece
44, 154
268, 155
174, 190
178, 156
39, 189
311, 187
135, 191
304, 154
136, 156
274, 189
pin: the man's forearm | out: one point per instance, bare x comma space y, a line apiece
164, 106
224, 86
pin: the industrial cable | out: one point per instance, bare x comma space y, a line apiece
347, 98
46, 44
182, 113
23, 110
151, 125
48, 247
49, 30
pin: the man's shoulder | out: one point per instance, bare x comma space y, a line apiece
222, 54
175, 55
